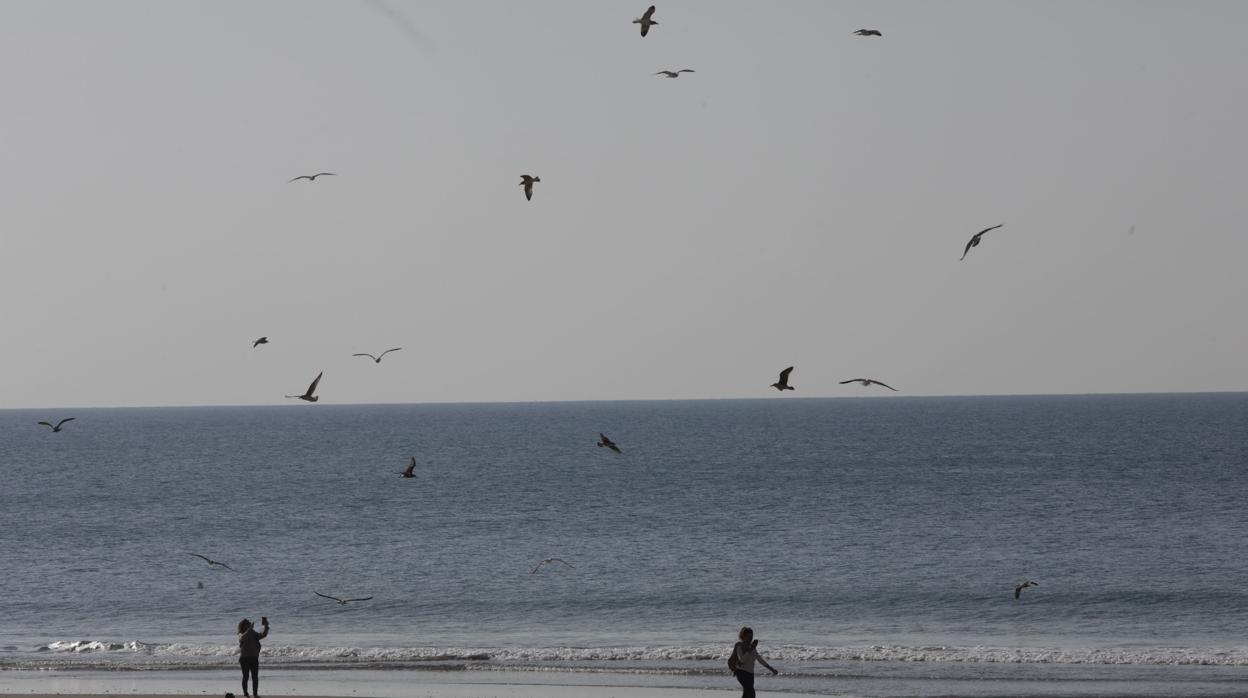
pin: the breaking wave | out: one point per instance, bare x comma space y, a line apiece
693, 658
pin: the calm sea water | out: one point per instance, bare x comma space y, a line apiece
863, 539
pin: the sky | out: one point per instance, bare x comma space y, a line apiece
801, 199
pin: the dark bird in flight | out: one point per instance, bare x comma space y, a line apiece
211, 563
378, 357
675, 73
527, 181
1018, 590
312, 178
645, 21
608, 443
409, 471
548, 561
311, 389
974, 242
258, 342
57, 427
867, 382
868, 32
783, 384
341, 602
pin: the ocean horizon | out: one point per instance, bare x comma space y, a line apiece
746, 398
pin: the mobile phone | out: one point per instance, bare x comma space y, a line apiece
264, 620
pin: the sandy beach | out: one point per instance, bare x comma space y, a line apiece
483, 691
352, 684
391, 683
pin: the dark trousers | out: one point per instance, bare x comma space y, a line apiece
746, 679
251, 665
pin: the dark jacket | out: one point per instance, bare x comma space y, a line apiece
249, 642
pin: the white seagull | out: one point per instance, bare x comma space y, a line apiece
867, 382
527, 181
377, 358
211, 563
312, 178
548, 561
341, 602
645, 21
1018, 590
604, 441
56, 427
974, 241
311, 389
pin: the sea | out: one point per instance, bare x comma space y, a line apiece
873, 544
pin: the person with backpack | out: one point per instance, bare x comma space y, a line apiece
249, 653
741, 661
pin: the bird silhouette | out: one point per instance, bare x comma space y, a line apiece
783, 384
675, 73
548, 561
312, 178
645, 21
974, 241
868, 382
258, 342
409, 471
377, 358
341, 602
604, 441
868, 32
56, 427
1018, 590
527, 181
311, 389
211, 562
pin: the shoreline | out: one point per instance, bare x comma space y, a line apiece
357, 683
398, 683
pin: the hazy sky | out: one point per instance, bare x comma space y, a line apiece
802, 199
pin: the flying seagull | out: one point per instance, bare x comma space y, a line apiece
258, 342
549, 560
312, 178
675, 73
974, 242
868, 32
57, 427
211, 563
783, 384
608, 443
378, 357
408, 471
867, 382
341, 602
645, 21
1018, 590
311, 389
527, 181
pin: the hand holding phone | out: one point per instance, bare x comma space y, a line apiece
264, 620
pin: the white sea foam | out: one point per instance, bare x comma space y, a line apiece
155, 655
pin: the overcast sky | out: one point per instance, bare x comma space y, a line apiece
802, 199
